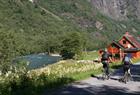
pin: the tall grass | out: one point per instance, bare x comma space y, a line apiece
22, 82
19, 81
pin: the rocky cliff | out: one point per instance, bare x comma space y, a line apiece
118, 9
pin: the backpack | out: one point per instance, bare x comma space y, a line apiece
126, 59
104, 63
105, 56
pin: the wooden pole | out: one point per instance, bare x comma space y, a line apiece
120, 54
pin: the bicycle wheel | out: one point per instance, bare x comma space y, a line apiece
129, 75
104, 75
125, 78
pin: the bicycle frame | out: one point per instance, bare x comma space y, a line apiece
104, 75
127, 76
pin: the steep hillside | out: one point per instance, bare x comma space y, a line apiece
119, 9
84, 15
39, 25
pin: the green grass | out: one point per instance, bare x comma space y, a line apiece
91, 55
136, 60
53, 76
87, 74
118, 64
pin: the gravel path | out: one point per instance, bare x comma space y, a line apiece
96, 86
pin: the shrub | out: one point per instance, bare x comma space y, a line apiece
72, 46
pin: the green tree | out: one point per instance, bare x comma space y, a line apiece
7, 46
72, 46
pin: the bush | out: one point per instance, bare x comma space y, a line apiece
72, 46
19, 81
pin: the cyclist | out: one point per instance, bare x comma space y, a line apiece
105, 58
126, 64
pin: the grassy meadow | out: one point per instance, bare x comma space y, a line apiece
20, 81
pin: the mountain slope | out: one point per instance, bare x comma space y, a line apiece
42, 24
85, 16
119, 9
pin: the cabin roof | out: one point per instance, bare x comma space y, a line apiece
118, 44
132, 50
132, 40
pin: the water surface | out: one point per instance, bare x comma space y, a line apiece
39, 60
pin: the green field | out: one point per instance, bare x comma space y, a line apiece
92, 55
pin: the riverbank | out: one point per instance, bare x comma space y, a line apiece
51, 76
34, 82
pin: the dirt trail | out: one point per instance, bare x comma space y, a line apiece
53, 15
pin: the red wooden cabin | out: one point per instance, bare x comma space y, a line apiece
126, 44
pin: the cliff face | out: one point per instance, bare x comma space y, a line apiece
118, 9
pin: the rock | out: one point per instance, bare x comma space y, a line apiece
134, 30
99, 25
118, 9
123, 26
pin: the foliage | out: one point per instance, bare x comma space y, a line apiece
7, 46
19, 81
42, 26
48, 26
72, 46
11, 80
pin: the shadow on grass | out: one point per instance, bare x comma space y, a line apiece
116, 66
36, 86
97, 77
88, 89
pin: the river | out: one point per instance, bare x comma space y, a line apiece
38, 60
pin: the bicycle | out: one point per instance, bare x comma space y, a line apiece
105, 75
127, 77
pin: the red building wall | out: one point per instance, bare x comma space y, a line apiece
124, 42
137, 54
113, 50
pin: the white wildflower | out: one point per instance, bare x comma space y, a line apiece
9, 72
28, 72
17, 76
6, 75
31, 1
28, 63
48, 71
